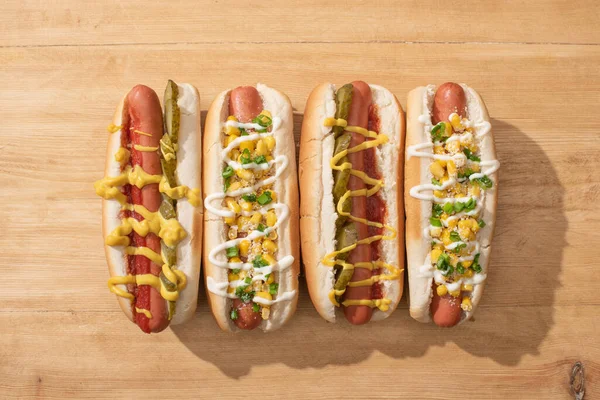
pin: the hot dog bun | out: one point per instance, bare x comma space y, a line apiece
418, 212
285, 187
317, 210
188, 173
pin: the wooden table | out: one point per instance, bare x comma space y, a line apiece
64, 67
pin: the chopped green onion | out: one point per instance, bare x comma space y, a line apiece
435, 222
264, 198
251, 198
460, 268
235, 271
454, 236
232, 252
470, 155
245, 158
260, 160
458, 248
234, 314
263, 120
227, 172
485, 182
243, 132
261, 228
476, 267
437, 132
481, 223
437, 210
259, 262
273, 288
448, 208
436, 182
470, 205
248, 280
226, 184
255, 307
458, 206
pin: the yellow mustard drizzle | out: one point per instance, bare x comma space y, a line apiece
146, 252
139, 147
376, 185
147, 313
175, 276
122, 156
107, 187
112, 128
169, 230
141, 132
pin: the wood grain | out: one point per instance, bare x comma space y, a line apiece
61, 331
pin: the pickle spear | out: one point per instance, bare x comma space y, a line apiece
343, 99
172, 112
345, 236
168, 161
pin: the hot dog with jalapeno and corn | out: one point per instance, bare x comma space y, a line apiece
451, 191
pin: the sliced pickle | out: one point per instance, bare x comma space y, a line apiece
343, 99
169, 253
172, 307
170, 286
345, 236
167, 209
172, 112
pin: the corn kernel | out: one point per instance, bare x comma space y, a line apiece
475, 167
448, 131
453, 259
232, 205
464, 224
270, 142
230, 289
269, 246
234, 154
232, 233
439, 193
438, 246
438, 150
244, 174
269, 158
467, 288
475, 190
466, 304
269, 258
248, 144
232, 130
452, 223
456, 122
442, 163
453, 147
455, 293
232, 118
273, 196
271, 278
230, 139
467, 264
261, 148
234, 186
265, 312
468, 273
235, 260
244, 246
264, 295
246, 205
441, 290
451, 168
464, 233
242, 222
272, 235
256, 218
446, 237
271, 218
437, 170
435, 254
233, 277
435, 231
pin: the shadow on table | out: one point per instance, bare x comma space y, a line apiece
513, 318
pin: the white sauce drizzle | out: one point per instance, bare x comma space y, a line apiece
282, 211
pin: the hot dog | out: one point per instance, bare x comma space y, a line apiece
252, 260
451, 192
352, 213
151, 221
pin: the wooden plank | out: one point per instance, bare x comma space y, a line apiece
406, 360
63, 335
33, 23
